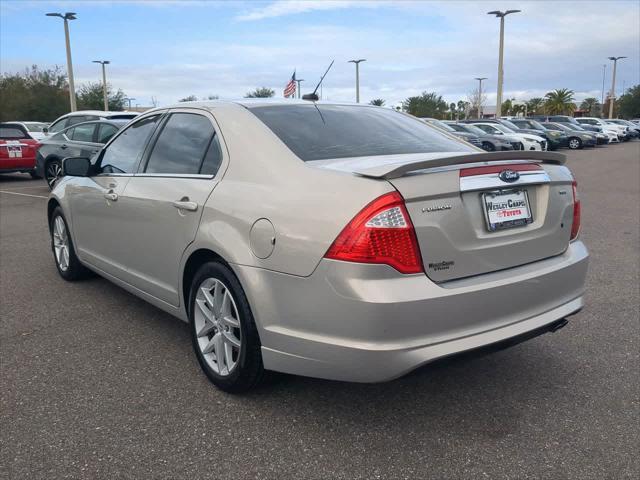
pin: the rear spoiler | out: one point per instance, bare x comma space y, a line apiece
397, 170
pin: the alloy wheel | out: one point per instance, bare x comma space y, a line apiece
574, 143
217, 326
53, 173
61, 243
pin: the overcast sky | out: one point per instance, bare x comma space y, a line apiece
171, 49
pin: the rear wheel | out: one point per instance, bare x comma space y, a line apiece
224, 334
53, 172
489, 147
575, 143
34, 174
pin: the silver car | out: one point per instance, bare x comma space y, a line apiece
339, 241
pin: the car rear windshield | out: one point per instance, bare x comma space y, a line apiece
318, 132
12, 133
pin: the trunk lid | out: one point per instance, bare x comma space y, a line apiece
453, 201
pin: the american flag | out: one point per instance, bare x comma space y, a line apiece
290, 89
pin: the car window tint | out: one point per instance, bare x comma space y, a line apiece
12, 133
105, 132
122, 155
316, 132
181, 145
83, 133
213, 158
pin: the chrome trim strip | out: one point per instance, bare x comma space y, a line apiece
492, 180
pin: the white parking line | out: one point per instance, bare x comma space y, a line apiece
22, 194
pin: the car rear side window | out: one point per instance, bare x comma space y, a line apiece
181, 145
123, 154
83, 133
317, 132
12, 133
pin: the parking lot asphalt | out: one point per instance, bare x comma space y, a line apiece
96, 383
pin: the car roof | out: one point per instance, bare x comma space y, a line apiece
98, 113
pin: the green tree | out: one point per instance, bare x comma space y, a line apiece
190, 98
535, 105
378, 102
426, 105
212, 97
559, 102
90, 97
507, 106
34, 94
262, 92
591, 105
629, 103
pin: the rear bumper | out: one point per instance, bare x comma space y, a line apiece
367, 323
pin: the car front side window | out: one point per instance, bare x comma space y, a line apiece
182, 145
123, 154
83, 133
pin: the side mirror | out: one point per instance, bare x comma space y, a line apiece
76, 166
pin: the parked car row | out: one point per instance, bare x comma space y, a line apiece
38, 148
539, 133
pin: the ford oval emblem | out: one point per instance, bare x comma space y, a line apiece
509, 176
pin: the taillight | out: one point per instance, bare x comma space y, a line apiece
575, 226
381, 233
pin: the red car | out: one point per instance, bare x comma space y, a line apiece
17, 149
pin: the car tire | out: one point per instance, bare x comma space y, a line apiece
52, 172
64, 253
34, 174
223, 332
488, 146
575, 143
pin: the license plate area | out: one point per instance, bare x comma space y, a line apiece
506, 209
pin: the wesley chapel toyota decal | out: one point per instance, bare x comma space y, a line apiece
509, 176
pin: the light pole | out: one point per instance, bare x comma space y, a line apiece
72, 91
612, 97
127, 99
104, 82
501, 16
604, 68
299, 81
357, 62
480, 79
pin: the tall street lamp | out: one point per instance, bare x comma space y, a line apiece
501, 16
480, 79
104, 82
72, 91
357, 62
127, 99
299, 81
604, 69
612, 97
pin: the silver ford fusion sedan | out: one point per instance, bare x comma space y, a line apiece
339, 241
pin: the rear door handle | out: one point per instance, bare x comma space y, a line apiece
185, 204
111, 196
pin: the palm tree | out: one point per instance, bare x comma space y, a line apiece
534, 105
590, 104
378, 102
560, 102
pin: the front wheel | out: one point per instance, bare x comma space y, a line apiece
53, 172
223, 331
489, 147
575, 143
64, 253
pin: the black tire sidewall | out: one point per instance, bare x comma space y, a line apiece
75, 270
249, 370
